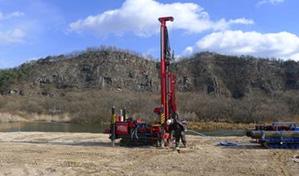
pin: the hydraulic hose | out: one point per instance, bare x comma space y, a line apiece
198, 133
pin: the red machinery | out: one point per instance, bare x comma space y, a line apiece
135, 132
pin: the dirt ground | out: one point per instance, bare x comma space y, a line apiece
36, 153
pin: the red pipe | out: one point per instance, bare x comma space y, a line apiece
164, 69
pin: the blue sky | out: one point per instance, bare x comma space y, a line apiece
30, 29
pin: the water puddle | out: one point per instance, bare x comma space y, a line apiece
89, 128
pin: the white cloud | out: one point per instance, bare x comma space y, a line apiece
273, 2
295, 56
241, 21
12, 36
224, 24
283, 45
141, 18
10, 15
188, 50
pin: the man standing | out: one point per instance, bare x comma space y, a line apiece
177, 129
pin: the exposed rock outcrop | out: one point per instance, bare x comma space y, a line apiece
115, 69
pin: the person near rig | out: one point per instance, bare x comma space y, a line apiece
178, 130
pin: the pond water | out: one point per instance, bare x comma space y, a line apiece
52, 127
89, 128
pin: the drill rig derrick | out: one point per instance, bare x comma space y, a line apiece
165, 75
168, 80
135, 132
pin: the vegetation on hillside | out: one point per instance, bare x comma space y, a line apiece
211, 87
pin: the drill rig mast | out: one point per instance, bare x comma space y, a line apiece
168, 79
138, 132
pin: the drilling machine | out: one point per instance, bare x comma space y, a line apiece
138, 132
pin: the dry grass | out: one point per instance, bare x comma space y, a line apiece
94, 106
220, 125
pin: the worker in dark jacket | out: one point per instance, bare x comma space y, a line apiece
178, 129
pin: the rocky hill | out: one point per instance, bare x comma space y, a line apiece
116, 69
94, 69
237, 76
210, 77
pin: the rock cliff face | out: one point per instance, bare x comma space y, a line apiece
236, 76
97, 70
115, 69
90, 70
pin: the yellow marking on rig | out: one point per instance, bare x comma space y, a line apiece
162, 118
113, 118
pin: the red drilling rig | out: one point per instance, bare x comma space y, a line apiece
137, 132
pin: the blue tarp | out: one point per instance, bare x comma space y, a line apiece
229, 144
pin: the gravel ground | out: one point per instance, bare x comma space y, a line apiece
37, 153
